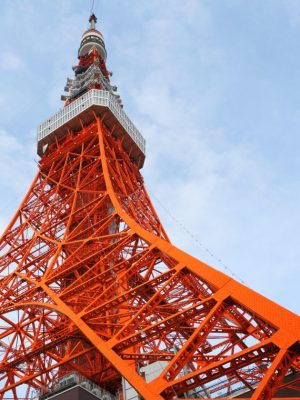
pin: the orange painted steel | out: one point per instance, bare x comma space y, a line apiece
91, 283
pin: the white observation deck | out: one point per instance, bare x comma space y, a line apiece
81, 111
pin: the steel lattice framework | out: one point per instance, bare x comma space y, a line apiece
91, 283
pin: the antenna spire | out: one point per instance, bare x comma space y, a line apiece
92, 8
93, 21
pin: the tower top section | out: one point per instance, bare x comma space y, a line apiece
88, 94
90, 70
93, 20
92, 38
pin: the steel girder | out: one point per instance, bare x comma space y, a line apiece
91, 283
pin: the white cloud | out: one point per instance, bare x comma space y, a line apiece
169, 64
10, 61
292, 8
16, 173
220, 186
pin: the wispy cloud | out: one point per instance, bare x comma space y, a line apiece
16, 173
292, 9
10, 61
216, 99
217, 182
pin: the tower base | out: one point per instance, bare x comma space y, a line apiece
74, 387
73, 393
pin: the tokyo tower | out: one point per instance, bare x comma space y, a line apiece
93, 294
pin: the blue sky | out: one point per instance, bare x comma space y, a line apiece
214, 87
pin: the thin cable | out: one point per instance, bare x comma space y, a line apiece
204, 247
92, 8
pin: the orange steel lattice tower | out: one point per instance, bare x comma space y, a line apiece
91, 283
